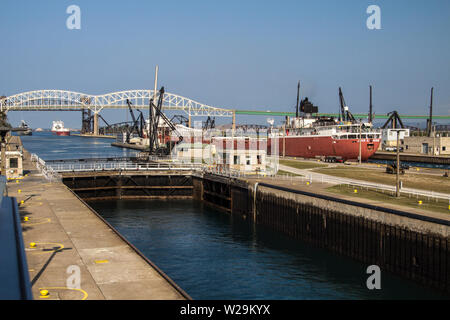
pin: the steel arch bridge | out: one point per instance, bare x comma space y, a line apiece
62, 100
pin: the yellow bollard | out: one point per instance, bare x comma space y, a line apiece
26, 219
19, 191
32, 245
22, 202
44, 293
17, 181
307, 183
355, 191
420, 202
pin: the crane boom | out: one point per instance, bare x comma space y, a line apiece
345, 114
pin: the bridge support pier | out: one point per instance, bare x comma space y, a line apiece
96, 124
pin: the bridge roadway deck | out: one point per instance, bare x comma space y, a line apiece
67, 233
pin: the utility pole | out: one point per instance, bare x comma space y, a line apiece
360, 129
397, 179
430, 120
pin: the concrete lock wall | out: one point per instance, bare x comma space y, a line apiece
415, 249
399, 242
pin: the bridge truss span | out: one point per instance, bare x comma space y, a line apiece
61, 100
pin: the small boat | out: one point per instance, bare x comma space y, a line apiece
26, 130
58, 129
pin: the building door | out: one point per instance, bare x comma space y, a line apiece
425, 148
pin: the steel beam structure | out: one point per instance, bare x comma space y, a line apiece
60, 100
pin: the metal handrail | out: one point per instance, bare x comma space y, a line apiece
369, 185
51, 169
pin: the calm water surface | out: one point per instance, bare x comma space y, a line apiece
52, 147
212, 256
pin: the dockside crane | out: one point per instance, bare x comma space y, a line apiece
210, 123
395, 121
155, 115
137, 125
180, 119
345, 114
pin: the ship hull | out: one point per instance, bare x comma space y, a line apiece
61, 133
326, 146
25, 133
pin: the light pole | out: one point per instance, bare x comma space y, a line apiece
360, 160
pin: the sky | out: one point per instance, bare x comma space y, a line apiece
245, 55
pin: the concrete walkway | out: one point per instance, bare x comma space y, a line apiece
315, 176
71, 239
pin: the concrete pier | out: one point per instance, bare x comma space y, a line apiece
72, 242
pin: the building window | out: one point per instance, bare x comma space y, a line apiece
13, 163
236, 160
444, 148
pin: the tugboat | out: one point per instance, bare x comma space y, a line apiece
58, 129
26, 130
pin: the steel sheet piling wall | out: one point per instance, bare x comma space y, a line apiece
417, 250
423, 257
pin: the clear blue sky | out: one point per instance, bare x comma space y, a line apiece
234, 54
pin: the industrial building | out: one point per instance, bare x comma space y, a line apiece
427, 145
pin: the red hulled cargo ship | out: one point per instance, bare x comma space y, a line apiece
340, 139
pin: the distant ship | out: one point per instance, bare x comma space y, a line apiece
27, 130
58, 129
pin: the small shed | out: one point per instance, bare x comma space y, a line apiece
14, 165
